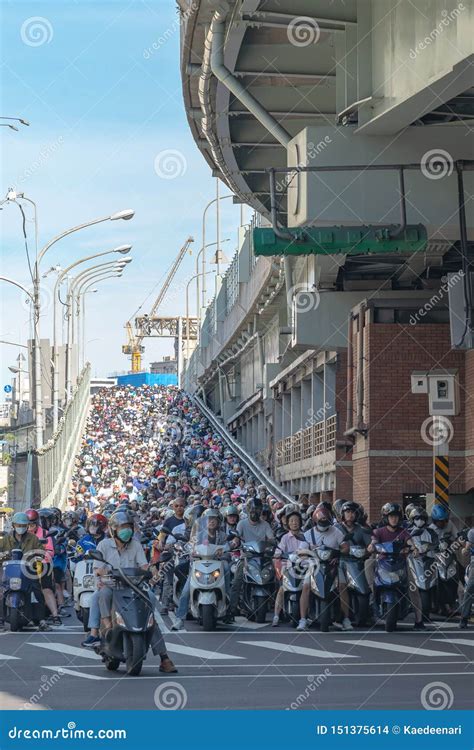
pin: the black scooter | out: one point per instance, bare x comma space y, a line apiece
133, 622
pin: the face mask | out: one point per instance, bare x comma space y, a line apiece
93, 529
419, 522
68, 524
125, 535
20, 530
322, 526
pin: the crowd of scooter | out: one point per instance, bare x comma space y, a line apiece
163, 518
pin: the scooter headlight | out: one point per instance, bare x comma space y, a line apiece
216, 574
15, 584
357, 551
266, 574
324, 554
88, 582
451, 571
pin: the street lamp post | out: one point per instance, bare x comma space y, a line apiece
187, 310
199, 274
203, 244
39, 422
84, 288
122, 249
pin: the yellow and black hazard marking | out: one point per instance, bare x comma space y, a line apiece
441, 479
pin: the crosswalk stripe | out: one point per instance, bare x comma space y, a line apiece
398, 647
456, 641
5, 657
63, 648
174, 620
242, 622
199, 652
290, 649
74, 673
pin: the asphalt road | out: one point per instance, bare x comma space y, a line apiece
246, 666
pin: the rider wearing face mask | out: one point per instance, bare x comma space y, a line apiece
18, 538
122, 550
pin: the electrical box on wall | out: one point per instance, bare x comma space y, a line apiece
443, 393
419, 382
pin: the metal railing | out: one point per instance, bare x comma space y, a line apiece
312, 441
250, 462
54, 461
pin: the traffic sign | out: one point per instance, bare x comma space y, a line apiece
7, 388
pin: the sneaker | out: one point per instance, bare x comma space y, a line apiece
91, 641
56, 621
275, 621
163, 610
178, 624
43, 626
63, 612
347, 624
167, 666
463, 624
419, 626
302, 624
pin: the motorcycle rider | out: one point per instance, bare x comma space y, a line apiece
419, 529
46, 577
20, 538
176, 519
208, 532
323, 533
231, 515
250, 529
290, 542
122, 550
469, 588
96, 526
356, 535
393, 530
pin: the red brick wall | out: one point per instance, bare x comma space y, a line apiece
395, 416
468, 394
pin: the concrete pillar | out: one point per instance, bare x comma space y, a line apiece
295, 409
286, 415
306, 404
277, 420
330, 389
318, 396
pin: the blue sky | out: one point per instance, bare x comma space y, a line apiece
104, 104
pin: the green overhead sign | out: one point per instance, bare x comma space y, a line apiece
358, 240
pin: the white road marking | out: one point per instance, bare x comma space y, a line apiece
290, 649
455, 641
242, 622
178, 678
174, 620
199, 652
398, 648
303, 665
5, 657
73, 673
62, 648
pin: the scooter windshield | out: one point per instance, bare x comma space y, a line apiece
207, 537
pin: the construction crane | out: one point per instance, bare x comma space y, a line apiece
134, 347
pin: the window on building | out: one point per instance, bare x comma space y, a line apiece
416, 497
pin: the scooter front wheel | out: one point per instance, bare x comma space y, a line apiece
208, 616
391, 618
325, 617
135, 653
85, 618
15, 620
260, 609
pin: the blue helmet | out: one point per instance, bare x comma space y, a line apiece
439, 513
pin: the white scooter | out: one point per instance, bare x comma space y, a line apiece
207, 600
84, 585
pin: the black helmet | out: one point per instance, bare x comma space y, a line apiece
254, 508
46, 518
338, 507
292, 510
349, 505
393, 509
